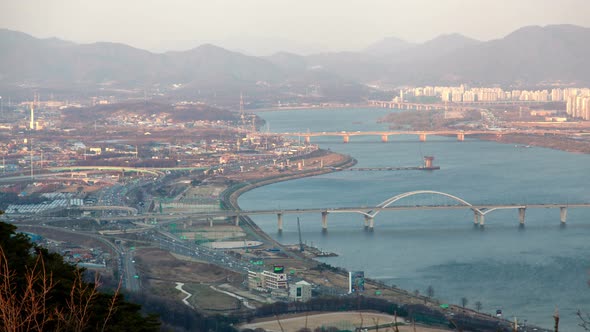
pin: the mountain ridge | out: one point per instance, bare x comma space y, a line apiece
529, 55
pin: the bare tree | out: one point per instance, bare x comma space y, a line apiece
430, 291
478, 306
464, 302
585, 320
395, 327
27, 309
556, 318
376, 323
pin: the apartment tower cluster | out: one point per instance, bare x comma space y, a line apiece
578, 104
462, 94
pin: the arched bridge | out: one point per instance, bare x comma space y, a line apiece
369, 213
479, 210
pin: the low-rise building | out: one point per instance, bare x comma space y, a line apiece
300, 291
267, 281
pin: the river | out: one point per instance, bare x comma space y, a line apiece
526, 272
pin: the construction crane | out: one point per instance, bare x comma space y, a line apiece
299, 230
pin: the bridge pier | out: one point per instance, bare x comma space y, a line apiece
563, 214
324, 221
345, 139
422, 137
384, 138
237, 220
210, 222
521, 215
369, 223
280, 222
307, 139
460, 137
478, 218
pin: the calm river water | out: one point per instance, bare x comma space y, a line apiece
525, 272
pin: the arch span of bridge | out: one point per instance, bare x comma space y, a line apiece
396, 198
479, 211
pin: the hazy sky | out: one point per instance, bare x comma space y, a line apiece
264, 26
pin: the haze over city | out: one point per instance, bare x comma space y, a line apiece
302, 166
263, 27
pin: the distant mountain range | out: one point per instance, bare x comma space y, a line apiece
531, 55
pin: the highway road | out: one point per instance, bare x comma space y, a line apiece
131, 279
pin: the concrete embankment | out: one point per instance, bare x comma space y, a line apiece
229, 197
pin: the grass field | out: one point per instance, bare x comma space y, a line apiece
206, 299
342, 320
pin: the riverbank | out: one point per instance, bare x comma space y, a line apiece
334, 278
229, 198
561, 143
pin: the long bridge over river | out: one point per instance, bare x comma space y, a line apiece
423, 134
370, 212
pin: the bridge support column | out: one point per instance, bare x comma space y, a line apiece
384, 138
237, 220
521, 214
460, 137
369, 223
563, 214
280, 222
422, 137
324, 221
478, 218
307, 139
210, 222
345, 139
